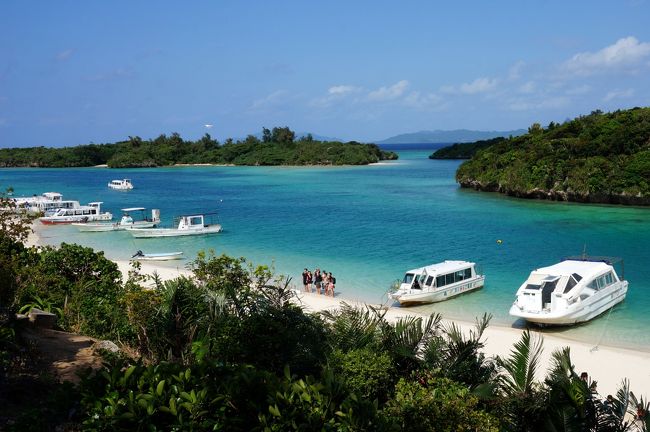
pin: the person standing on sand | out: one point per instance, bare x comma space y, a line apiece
304, 279
325, 282
310, 279
331, 283
317, 280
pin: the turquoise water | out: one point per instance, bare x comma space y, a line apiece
367, 225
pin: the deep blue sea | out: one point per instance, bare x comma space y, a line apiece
369, 224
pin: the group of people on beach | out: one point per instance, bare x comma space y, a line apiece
319, 280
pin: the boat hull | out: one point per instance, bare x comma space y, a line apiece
159, 257
173, 232
414, 296
105, 227
67, 220
581, 312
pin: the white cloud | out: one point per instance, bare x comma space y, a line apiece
342, 90
335, 94
479, 85
273, 99
618, 94
552, 102
528, 87
417, 100
389, 93
625, 52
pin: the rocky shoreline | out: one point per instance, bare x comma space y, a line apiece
557, 195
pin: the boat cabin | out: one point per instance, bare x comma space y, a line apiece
127, 215
438, 275
92, 209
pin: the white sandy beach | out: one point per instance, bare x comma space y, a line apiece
607, 365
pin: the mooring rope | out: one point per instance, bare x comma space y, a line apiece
595, 348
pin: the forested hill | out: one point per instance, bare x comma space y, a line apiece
463, 150
277, 147
598, 158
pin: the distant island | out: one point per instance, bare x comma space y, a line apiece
448, 136
464, 150
278, 146
596, 158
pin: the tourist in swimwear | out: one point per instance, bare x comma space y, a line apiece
331, 283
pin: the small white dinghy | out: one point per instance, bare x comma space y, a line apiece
165, 256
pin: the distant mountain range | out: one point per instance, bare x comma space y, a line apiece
449, 136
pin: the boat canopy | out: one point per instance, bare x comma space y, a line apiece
132, 209
587, 269
443, 267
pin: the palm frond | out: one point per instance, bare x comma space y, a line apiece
352, 327
520, 368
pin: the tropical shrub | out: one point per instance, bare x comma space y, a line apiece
437, 404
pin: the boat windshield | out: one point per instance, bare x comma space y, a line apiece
408, 278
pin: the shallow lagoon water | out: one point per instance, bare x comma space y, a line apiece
368, 225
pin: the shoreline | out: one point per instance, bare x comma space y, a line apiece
607, 364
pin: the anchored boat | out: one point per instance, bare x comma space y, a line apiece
574, 290
86, 213
46, 203
127, 221
437, 282
185, 226
123, 184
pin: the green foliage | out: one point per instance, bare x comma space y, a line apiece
15, 227
436, 405
366, 372
83, 284
307, 404
601, 157
461, 358
173, 397
278, 147
227, 349
464, 150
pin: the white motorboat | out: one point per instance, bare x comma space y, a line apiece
165, 256
185, 226
123, 184
437, 282
127, 221
575, 290
86, 213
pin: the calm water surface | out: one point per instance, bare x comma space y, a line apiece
367, 225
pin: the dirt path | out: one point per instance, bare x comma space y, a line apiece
64, 354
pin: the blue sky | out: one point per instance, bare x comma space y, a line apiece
74, 72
